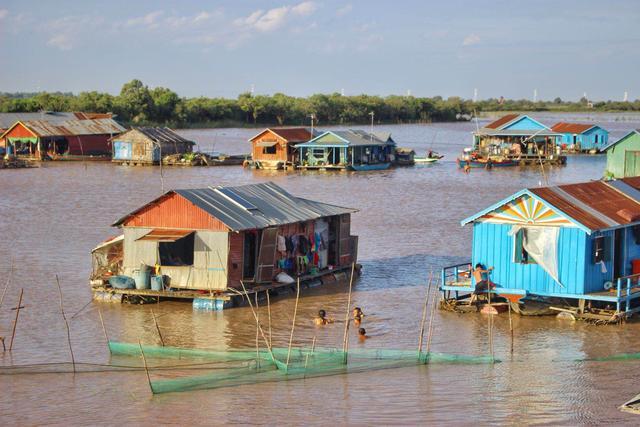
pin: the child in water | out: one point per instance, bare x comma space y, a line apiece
322, 318
362, 335
357, 315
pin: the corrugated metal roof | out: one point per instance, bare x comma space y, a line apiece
159, 134
354, 137
502, 121
74, 127
605, 148
565, 127
55, 118
254, 206
517, 132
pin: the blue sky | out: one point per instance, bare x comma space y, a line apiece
222, 48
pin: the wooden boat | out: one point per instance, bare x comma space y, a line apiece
486, 163
426, 159
370, 167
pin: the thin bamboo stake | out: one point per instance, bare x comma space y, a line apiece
424, 314
157, 327
104, 329
510, 326
255, 316
306, 359
257, 333
6, 286
345, 338
293, 324
146, 369
64, 317
15, 322
269, 314
431, 317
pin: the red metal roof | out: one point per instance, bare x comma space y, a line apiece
502, 121
293, 135
564, 127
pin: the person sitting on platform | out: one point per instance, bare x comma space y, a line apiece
322, 318
483, 284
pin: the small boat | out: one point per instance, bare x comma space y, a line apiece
370, 167
427, 159
486, 163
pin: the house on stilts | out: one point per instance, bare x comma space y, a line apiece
581, 137
574, 246
274, 148
207, 243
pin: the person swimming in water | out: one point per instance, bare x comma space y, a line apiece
362, 334
322, 318
357, 315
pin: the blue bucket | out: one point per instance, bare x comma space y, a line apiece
157, 283
142, 278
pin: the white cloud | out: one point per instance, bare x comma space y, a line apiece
201, 17
150, 20
470, 40
272, 20
3, 13
61, 41
344, 10
305, 8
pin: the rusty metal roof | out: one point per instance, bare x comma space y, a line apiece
42, 128
565, 127
292, 135
502, 121
162, 135
53, 117
254, 206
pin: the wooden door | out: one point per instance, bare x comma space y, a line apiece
631, 163
267, 255
345, 240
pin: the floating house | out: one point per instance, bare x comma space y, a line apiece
274, 148
581, 136
347, 149
148, 145
579, 242
73, 138
517, 138
623, 156
214, 238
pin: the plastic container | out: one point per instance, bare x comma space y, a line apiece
142, 278
157, 283
635, 266
122, 282
208, 304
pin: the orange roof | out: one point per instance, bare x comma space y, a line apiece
293, 135
564, 127
502, 121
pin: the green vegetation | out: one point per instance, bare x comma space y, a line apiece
139, 105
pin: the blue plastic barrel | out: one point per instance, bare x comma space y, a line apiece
122, 282
142, 278
157, 284
208, 304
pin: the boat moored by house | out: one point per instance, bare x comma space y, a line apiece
210, 243
574, 246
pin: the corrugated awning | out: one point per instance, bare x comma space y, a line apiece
163, 235
266, 143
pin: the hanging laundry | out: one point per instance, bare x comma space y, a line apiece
282, 243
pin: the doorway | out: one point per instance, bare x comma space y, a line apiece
618, 253
249, 256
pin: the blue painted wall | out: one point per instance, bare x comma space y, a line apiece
121, 150
525, 123
594, 138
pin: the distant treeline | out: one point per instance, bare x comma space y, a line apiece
139, 105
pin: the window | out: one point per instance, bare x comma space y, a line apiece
636, 234
178, 253
599, 249
520, 253
269, 150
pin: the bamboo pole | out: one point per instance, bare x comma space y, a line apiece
15, 322
510, 325
306, 359
64, 317
157, 327
424, 314
146, 369
269, 314
257, 333
255, 316
345, 338
293, 324
104, 329
6, 286
431, 317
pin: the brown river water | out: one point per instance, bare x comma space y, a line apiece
409, 224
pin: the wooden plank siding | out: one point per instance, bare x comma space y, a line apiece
282, 149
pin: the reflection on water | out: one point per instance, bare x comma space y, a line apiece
409, 224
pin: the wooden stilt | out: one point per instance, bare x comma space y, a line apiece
345, 338
257, 333
15, 322
64, 317
510, 326
146, 368
424, 314
157, 327
293, 324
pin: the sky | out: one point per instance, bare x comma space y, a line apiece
425, 48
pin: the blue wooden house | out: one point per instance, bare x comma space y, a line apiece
581, 136
515, 136
347, 149
579, 242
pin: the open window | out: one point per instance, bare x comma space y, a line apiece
521, 255
177, 253
269, 150
599, 249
